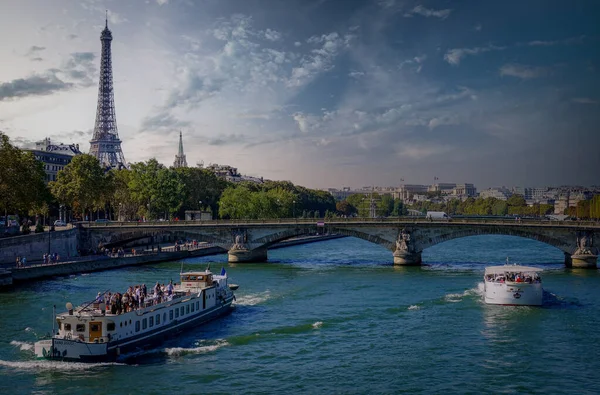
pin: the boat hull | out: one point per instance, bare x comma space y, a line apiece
513, 294
74, 350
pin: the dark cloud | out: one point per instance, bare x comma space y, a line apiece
35, 85
79, 71
34, 49
72, 36
38, 59
161, 120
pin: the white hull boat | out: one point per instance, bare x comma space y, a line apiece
98, 332
513, 285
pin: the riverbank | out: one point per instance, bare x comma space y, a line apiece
101, 262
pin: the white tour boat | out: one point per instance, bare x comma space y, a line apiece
99, 331
513, 285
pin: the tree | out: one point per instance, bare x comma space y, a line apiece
81, 184
202, 188
345, 208
21, 179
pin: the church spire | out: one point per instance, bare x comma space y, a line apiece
180, 157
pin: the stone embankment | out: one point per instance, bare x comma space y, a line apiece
98, 263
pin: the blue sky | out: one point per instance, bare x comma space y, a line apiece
323, 93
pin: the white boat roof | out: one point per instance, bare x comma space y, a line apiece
511, 269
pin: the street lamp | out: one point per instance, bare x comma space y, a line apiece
294, 212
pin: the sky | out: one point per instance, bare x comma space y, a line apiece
323, 93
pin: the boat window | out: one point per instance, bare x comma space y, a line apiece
192, 278
192, 307
171, 315
187, 309
110, 326
176, 313
158, 319
137, 326
144, 323
94, 327
67, 327
151, 322
181, 309
80, 328
197, 305
164, 317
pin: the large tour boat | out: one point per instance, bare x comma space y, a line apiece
116, 324
513, 285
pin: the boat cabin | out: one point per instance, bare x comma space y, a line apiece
194, 281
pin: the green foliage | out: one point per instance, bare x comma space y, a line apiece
345, 208
200, 185
81, 184
240, 202
159, 191
39, 228
21, 179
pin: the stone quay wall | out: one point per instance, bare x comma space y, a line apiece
35, 245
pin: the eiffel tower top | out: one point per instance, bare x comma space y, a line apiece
106, 34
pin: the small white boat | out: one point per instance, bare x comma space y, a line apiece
99, 331
513, 285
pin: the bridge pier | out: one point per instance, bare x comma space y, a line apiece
587, 261
407, 258
245, 255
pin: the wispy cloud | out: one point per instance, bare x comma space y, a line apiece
522, 71
584, 100
455, 55
428, 12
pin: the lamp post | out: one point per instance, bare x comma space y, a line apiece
120, 208
200, 206
294, 212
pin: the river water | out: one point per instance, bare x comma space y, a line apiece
336, 317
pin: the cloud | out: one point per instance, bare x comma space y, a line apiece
523, 71
162, 2
77, 71
356, 74
584, 100
417, 60
422, 151
428, 12
320, 59
272, 35
549, 43
455, 55
34, 85
34, 49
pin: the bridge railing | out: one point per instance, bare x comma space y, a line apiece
334, 221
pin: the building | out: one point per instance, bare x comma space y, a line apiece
105, 144
464, 190
501, 193
54, 156
445, 188
407, 191
231, 174
180, 157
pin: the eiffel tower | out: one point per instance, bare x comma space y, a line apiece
105, 144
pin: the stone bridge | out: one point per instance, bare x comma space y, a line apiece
247, 241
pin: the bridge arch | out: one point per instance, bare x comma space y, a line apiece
427, 242
269, 240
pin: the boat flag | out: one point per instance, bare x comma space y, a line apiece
223, 271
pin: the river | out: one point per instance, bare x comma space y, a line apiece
336, 317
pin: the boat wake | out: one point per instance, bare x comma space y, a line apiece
204, 346
317, 325
54, 365
23, 346
458, 297
253, 299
